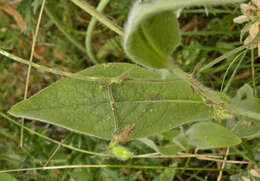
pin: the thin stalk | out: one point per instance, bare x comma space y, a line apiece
197, 156
210, 11
234, 72
117, 166
223, 165
221, 58
226, 72
30, 67
91, 26
52, 155
209, 33
205, 92
253, 72
54, 71
99, 16
52, 140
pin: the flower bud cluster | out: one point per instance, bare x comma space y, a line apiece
251, 16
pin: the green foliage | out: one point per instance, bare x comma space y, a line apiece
166, 175
245, 98
123, 94
153, 42
210, 135
152, 30
100, 108
246, 127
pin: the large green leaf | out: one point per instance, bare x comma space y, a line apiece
144, 99
152, 30
206, 135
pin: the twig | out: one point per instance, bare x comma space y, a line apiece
91, 26
116, 166
223, 165
93, 12
30, 66
184, 155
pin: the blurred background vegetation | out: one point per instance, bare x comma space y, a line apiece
207, 34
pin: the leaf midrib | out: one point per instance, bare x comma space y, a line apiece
129, 102
151, 44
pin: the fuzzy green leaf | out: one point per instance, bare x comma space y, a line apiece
246, 127
245, 99
206, 135
144, 99
152, 30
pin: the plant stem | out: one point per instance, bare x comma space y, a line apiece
223, 164
89, 33
93, 12
205, 92
234, 72
226, 72
253, 72
221, 58
54, 71
117, 166
30, 66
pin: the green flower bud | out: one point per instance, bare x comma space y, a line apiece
120, 152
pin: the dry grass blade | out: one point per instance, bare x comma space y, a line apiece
30, 67
16, 15
223, 165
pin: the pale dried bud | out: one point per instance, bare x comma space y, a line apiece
251, 14
255, 172
247, 9
254, 29
256, 3
248, 40
245, 178
241, 19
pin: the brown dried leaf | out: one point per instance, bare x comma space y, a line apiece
247, 9
255, 172
248, 40
16, 15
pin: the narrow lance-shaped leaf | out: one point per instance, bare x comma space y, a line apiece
206, 135
97, 108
